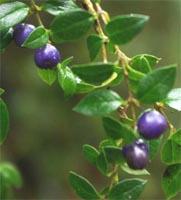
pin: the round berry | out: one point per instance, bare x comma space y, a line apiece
47, 57
151, 124
136, 154
21, 32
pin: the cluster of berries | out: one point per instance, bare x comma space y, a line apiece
151, 124
46, 57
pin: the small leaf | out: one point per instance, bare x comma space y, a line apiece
171, 149
114, 155
38, 38
71, 24
10, 175
122, 29
156, 84
67, 81
127, 189
137, 172
1, 91
98, 103
117, 80
4, 121
83, 187
83, 87
118, 130
107, 143
91, 153
65, 62
102, 163
47, 75
171, 181
94, 43
173, 99
94, 73
56, 7
12, 13
5, 38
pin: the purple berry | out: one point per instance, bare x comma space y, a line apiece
21, 32
136, 154
151, 124
47, 57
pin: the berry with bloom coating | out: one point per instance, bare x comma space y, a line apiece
151, 124
136, 154
21, 32
47, 57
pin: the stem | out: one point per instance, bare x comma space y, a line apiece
87, 4
35, 11
115, 177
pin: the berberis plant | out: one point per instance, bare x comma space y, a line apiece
134, 133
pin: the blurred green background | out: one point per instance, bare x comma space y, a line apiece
46, 136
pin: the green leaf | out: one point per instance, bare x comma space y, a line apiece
94, 73
55, 7
127, 189
91, 153
173, 99
1, 91
117, 130
156, 84
144, 62
10, 175
171, 149
65, 62
128, 170
107, 143
171, 181
119, 77
71, 25
12, 13
122, 29
4, 121
153, 146
98, 103
5, 38
83, 87
38, 38
134, 74
114, 155
83, 187
102, 163
47, 75
94, 43
67, 81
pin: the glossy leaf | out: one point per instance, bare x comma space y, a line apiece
114, 155
83, 87
173, 99
98, 103
38, 38
107, 143
12, 13
71, 25
67, 81
137, 172
94, 43
56, 7
118, 78
5, 38
83, 187
91, 153
156, 84
4, 121
172, 148
117, 130
10, 175
102, 163
171, 181
127, 189
47, 75
122, 29
94, 73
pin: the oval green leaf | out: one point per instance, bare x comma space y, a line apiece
71, 25
6, 37
47, 75
91, 153
156, 84
122, 29
137, 172
12, 13
98, 103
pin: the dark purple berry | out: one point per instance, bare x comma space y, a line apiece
47, 57
21, 32
136, 154
151, 124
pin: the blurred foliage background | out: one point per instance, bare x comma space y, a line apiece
46, 136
